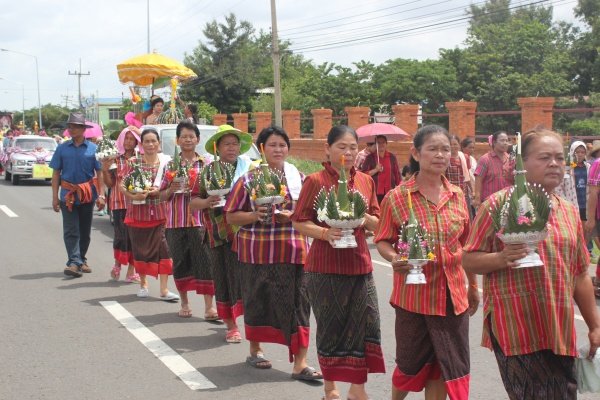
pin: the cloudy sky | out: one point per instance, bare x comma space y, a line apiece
103, 33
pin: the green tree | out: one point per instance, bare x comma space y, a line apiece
510, 54
429, 83
226, 65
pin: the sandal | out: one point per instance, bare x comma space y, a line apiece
258, 361
115, 272
211, 316
307, 374
233, 336
133, 278
185, 313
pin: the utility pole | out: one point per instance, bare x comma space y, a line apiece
148, 25
79, 75
276, 75
66, 98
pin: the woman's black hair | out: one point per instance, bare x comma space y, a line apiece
420, 137
405, 170
466, 142
495, 136
338, 131
381, 136
155, 101
194, 110
271, 130
149, 130
187, 125
454, 137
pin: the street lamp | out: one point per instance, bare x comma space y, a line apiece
37, 75
23, 91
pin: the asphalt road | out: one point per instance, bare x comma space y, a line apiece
59, 342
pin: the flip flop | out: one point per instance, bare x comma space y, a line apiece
185, 313
211, 317
258, 358
307, 374
170, 297
233, 336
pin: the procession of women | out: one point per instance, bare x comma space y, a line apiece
266, 246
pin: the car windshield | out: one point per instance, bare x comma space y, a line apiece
34, 144
168, 139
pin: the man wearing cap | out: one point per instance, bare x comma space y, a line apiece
74, 193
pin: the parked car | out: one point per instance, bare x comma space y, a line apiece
168, 140
23, 153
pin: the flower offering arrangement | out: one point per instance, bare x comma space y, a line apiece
265, 187
106, 149
178, 170
522, 216
341, 208
138, 180
415, 245
218, 178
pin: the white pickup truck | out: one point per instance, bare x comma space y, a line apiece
25, 152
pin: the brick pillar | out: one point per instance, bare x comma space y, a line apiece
219, 119
263, 120
405, 117
462, 118
322, 122
291, 123
240, 121
535, 111
357, 116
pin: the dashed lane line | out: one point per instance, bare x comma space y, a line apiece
383, 264
175, 362
8, 211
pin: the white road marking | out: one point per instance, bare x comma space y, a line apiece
176, 363
8, 211
385, 264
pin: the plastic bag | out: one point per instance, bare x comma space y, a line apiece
588, 371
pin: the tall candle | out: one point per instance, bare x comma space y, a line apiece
409, 200
215, 149
519, 143
343, 161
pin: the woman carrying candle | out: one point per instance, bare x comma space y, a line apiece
183, 229
432, 319
340, 283
226, 145
272, 254
127, 143
528, 312
146, 222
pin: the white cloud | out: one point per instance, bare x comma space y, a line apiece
104, 33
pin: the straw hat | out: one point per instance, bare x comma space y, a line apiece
245, 138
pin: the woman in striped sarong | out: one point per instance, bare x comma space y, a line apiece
272, 255
229, 142
146, 222
528, 312
432, 319
184, 230
340, 282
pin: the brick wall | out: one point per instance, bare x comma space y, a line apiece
314, 149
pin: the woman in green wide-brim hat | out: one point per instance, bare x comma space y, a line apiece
244, 138
228, 143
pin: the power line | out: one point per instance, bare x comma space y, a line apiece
417, 23
359, 15
398, 33
385, 24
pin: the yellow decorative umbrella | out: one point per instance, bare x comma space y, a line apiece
145, 69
